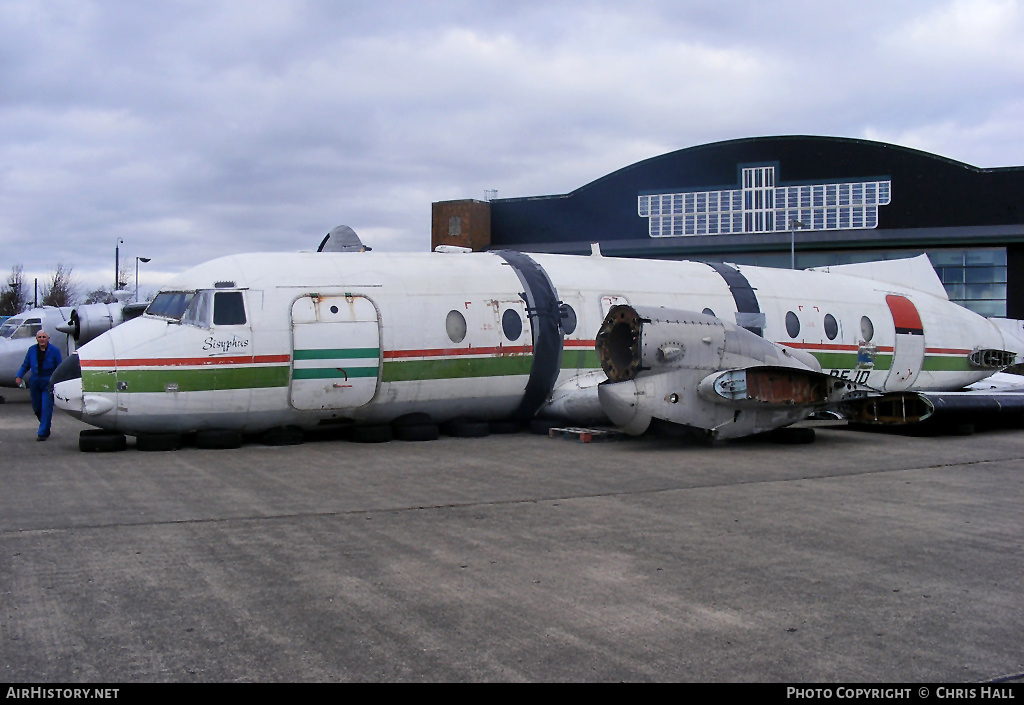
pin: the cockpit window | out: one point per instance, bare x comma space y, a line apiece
225, 308
198, 311
170, 304
9, 326
17, 328
228, 309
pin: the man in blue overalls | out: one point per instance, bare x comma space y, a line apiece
42, 359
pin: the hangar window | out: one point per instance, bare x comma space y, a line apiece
455, 325
792, 324
831, 326
511, 324
867, 329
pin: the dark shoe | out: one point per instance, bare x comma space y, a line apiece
43, 437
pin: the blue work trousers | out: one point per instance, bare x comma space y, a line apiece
42, 402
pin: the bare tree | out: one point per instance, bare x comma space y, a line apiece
62, 289
13, 296
103, 295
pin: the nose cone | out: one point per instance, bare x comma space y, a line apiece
67, 386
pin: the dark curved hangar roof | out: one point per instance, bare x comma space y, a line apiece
927, 190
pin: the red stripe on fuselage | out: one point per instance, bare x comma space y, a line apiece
187, 361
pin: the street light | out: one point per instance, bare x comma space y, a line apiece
117, 264
793, 225
137, 260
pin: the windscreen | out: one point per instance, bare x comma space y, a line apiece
170, 304
9, 326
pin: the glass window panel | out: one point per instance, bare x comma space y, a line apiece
986, 308
946, 258
985, 291
951, 275
982, 275
954, 291
986, 256
883, 193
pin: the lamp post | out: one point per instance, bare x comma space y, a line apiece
137, 260
793, 225
117, 264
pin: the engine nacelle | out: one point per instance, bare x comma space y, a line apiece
91, 321
699, 371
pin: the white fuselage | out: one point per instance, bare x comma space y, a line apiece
308, 339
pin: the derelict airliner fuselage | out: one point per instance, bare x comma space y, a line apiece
258, 341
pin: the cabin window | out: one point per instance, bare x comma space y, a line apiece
511, 324
455, 325
170, 304
709, 312
792, 324
228, 308
568, 318
867, 329
831, 326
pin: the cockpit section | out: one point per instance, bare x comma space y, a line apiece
203, 308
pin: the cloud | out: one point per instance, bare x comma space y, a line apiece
194, 129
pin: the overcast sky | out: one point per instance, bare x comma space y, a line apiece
195, 129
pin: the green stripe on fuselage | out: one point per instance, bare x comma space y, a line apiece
456, 368
337, 354
333, 372
201, 380
580, 359
942, 363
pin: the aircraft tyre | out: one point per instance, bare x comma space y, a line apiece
101, 441
218, 439
499, 427
415, 427
158, 441
417, 432
466, 428
380, 433
283, 436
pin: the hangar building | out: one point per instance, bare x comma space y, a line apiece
800, 201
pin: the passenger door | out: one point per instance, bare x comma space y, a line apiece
336, 355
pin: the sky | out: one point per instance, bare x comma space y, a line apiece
196, 129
